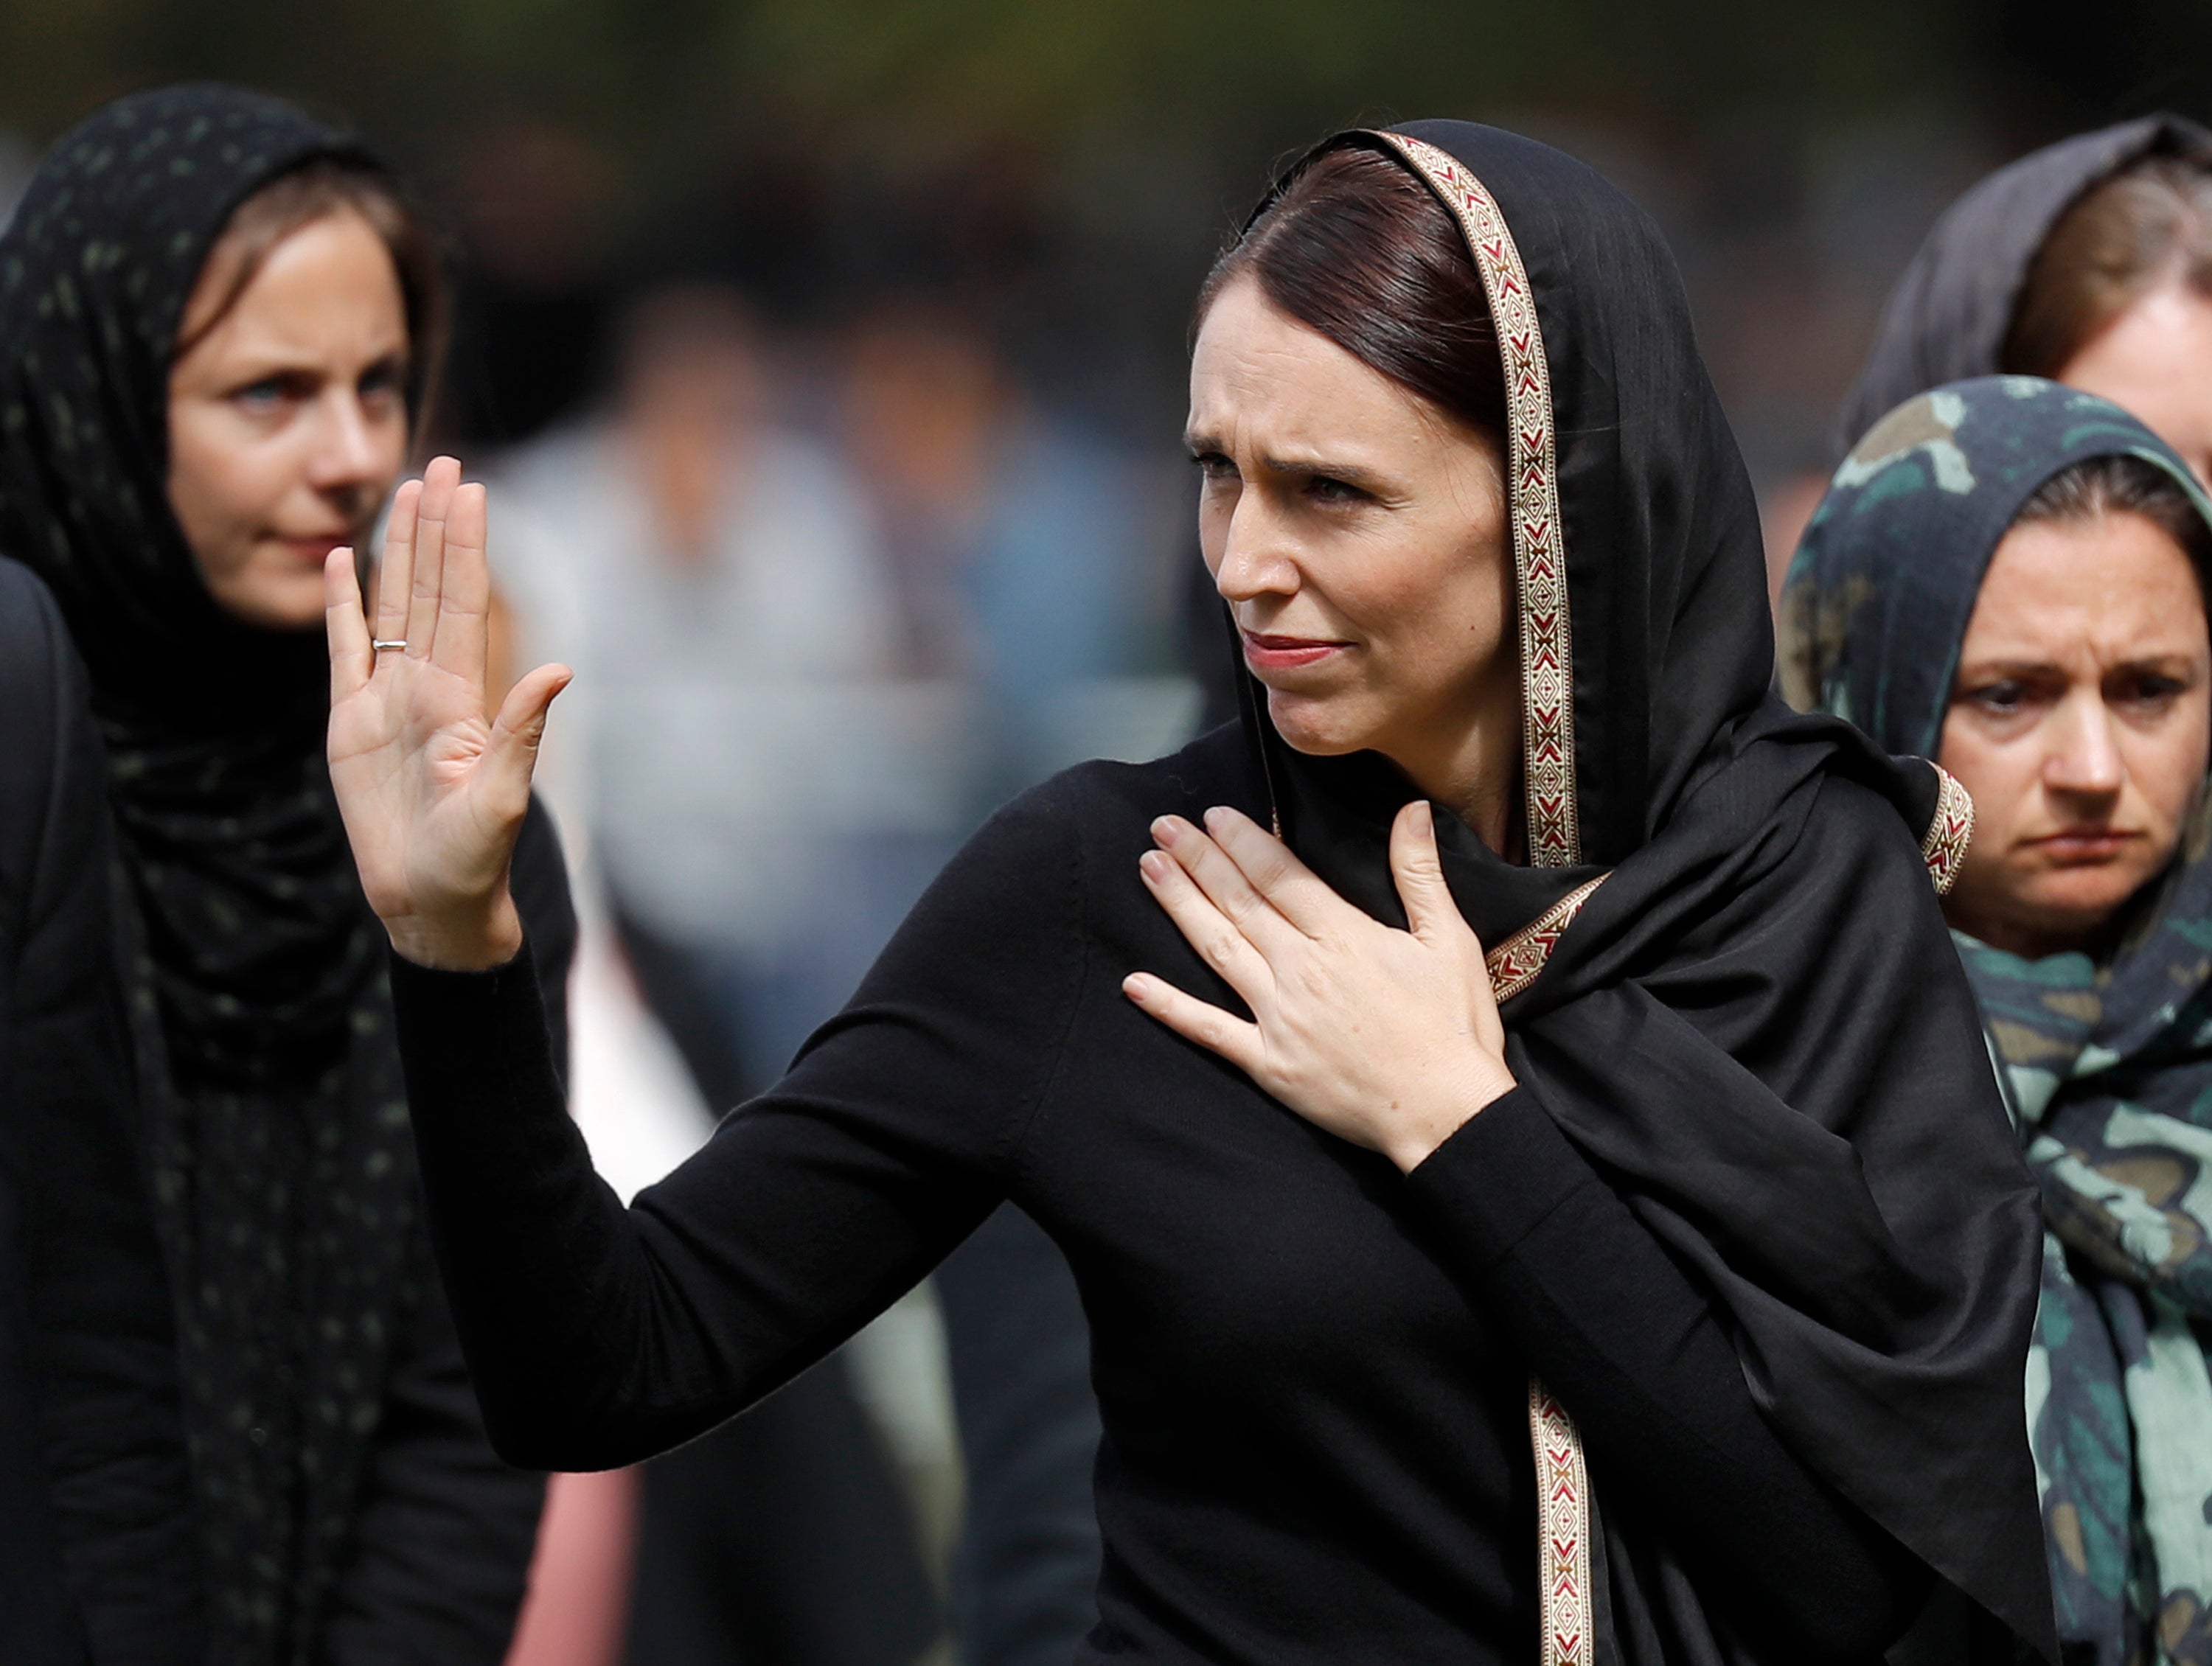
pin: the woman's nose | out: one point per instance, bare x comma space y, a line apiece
346, 454
1253, 561
2087, 760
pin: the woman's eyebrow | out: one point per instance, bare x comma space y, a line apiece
1350, 473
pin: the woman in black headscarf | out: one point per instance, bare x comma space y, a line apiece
2088, 262
198, 399
1725, 1204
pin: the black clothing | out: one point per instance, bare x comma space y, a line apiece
783, 1538
1025, 1572
97, 1559
1313, 1378
1948, 316
285, 1187
1754, 1215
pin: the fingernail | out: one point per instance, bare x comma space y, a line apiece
1214, 818
1133, 987
1165, 830
1152, 864
1425, 820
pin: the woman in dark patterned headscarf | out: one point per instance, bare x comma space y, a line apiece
218, 321
2000, 578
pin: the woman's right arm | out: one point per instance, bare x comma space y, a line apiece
597, 1334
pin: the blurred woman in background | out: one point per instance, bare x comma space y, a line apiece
218, 325
2088, 262
2009, 576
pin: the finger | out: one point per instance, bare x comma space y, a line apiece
1430, 913
464, 599
1206, 928
396, 572
1193, 1020
1273, 868
440, 481
351, 658
516, 735
1224, 885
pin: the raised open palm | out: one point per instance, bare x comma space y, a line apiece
432, 786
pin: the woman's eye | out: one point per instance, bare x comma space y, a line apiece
1214, 466
265, 395
2002, 699
2149, 689
1327, 490
380, 380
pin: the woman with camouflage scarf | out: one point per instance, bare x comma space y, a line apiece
2006, 575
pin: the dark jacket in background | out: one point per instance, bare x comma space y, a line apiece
97, 1558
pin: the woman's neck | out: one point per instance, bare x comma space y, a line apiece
1475, 774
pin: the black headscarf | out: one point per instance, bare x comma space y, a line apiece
1948, 316
283, 1168
1754, 1024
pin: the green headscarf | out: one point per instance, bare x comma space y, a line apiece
2107, 1067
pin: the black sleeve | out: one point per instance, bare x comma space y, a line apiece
103, 1343
539, 879
445, 1532
1617, 1330
600, 1335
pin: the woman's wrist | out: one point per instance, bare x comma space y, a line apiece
1418, 1131
476, 941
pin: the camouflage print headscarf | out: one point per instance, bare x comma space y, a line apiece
2107, 1067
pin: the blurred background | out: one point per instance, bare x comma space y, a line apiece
827, 357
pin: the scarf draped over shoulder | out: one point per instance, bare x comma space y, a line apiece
1724, 970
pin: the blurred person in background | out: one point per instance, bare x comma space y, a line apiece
219, 324
2088, 262
2009, 576
711, 576
99, 1564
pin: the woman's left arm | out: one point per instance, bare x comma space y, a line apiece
1392, 1039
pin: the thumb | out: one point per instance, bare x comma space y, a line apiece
1420, 872
520, 724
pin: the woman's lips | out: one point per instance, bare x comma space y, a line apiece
316, 549
1285, 653
2084, 843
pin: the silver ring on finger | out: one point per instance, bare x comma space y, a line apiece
388, 644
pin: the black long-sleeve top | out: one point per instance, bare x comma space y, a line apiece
1313, 1371
98, 1556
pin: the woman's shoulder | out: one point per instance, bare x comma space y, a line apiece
1105, 805
1045, 850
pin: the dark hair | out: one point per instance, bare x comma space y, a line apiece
1357, 248
2122, 485
2148, 225
332, 185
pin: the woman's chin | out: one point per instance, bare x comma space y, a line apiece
1311, 726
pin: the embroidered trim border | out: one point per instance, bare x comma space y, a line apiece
1547, 678
1515, 963
1950, 831
1547, 759
1563, 1518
